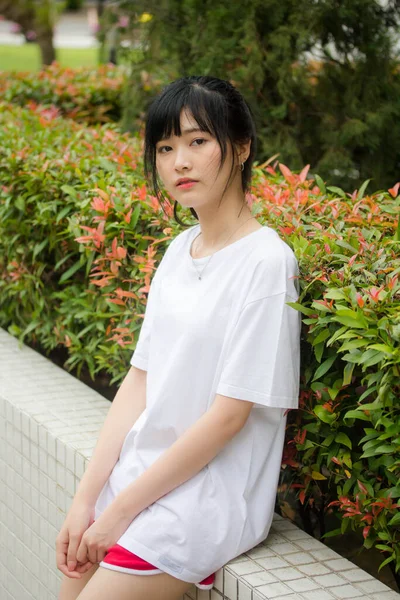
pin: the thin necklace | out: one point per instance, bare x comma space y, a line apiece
194, 264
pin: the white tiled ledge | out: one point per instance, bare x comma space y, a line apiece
49, 424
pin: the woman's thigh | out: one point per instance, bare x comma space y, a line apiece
106, 584
71, 588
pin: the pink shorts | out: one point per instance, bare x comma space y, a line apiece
120, 559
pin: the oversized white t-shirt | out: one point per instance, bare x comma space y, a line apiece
229, 333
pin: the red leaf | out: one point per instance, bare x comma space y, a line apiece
366, 530
302, 496
362, 487
287, 173
303, 174
394, 190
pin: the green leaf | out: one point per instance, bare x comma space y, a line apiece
381, 348
63, 213
343, 439
348, 373
336, 190
317, 476
356, 414
349, 322
39, 247
324, 367
351, 344
386, 561
324, 415
69, 190
304, 309
395, 520
331, 533
70, 272
321, 337
362, 189
335, 294
320, 183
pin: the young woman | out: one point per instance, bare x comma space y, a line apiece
184, 474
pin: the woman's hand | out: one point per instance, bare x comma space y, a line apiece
78, 519
102, 534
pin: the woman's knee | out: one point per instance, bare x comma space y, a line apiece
71, 588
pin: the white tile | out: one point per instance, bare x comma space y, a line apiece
79, 465
295, 534
261, 578
355, 575
346, 591
329, 580
283, 548
260, 552
392, 595
317, 595
230, 586
310, 544
244, 591
34, 454
273, 590
51, 445
244, 567
60, 479
324, 554
60, 452
286, 574
284, 525
314, 569
289, 597
34, 433
274, 538
339, 564
302, 585
372, 586
300, 558
273, 562
219, 580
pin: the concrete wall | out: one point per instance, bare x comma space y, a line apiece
49, 423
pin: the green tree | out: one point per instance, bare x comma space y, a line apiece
321, 76
37, 16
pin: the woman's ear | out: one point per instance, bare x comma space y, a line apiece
243, 151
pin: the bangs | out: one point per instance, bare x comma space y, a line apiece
207, 108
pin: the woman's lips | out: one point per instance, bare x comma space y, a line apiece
186, 185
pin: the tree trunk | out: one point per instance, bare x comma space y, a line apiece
47, 51
37, 17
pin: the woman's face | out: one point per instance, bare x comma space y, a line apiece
194, 155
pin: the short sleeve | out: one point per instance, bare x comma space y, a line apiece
262, 361
140, 355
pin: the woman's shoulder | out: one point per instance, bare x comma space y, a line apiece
274, 267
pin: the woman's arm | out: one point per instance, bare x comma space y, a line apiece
127, 406
199, 444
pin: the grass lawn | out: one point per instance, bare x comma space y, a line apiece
27, 57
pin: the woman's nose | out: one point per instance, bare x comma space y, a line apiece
182, 160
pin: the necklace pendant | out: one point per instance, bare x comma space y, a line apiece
199, 276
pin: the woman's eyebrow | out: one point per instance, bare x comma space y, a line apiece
188, 130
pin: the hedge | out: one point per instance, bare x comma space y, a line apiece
80, 236
87, 95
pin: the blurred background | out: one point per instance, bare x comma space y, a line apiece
76, 216
322, 76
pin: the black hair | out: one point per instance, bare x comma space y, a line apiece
218, 108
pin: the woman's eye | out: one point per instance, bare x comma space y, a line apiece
161, 148
200, 140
